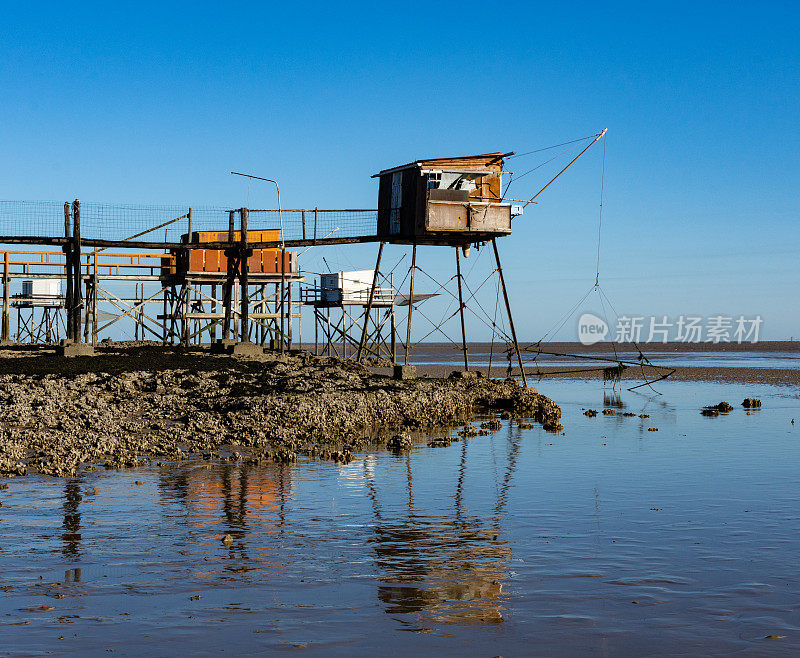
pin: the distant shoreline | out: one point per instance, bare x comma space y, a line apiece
578, 348
735, 375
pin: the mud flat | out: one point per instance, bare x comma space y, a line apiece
130, 405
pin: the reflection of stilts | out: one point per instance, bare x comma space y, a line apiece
72, 518
459, 564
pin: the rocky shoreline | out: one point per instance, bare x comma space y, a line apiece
121, 410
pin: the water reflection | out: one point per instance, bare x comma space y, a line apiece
72, 518
445, 568
235, 499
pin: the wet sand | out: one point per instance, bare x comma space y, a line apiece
636, 375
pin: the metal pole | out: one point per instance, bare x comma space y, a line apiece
391, 310
411, 299
461, 311
508, 311
369, 302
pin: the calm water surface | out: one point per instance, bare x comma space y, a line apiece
609, 539
479, 356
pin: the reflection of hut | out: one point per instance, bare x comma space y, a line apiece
445, 571
461, 587
231, 496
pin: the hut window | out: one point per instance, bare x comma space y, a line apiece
434, 180
452, 180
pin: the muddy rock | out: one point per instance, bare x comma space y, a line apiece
399, 442
133, 408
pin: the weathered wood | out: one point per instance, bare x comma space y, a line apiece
283, 299
68, 257
77, 293
229, 279
244, 267
6, 332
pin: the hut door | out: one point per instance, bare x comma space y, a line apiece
397, 201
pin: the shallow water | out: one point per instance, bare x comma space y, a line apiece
609, 539
479, 356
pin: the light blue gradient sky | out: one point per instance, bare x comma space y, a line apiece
156, 103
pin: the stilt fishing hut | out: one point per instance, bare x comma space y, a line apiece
455, 202
444, 201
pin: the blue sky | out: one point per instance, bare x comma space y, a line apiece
156, 103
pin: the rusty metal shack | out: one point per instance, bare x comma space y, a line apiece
444, 201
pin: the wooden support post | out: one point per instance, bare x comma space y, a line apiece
136, 315
316, 331
369, 302
283, 298
289, 318
5, 336
212, 330
94, 300
461, 311
183, 301
189, 222
164, 317
508, 311
68, 302
244, 312
304, 224
329, 331
411, 299
89, 298
77, 306
229, 279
